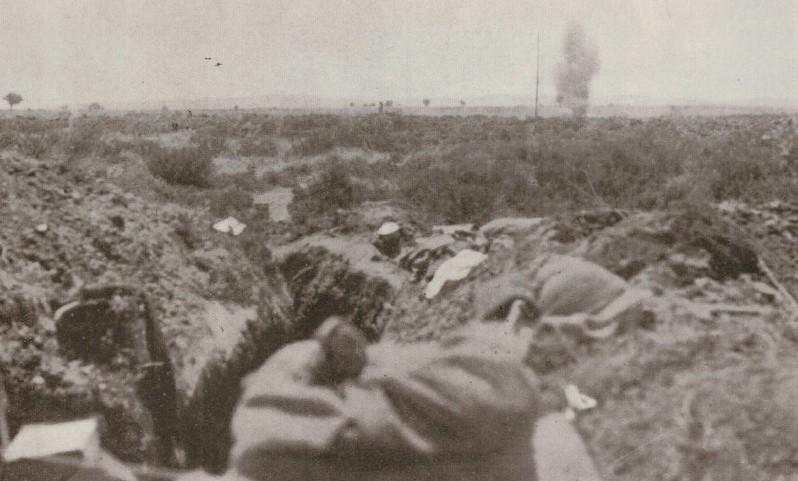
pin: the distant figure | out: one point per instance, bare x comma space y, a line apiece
218, 64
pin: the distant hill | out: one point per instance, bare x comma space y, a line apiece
309, 102
223, 103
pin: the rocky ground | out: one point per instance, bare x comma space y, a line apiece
64, 244
139, 311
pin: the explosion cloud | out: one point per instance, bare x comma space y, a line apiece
580, 62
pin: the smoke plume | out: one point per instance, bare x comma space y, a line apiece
580, 62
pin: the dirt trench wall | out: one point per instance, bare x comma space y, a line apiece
323, 284
721, 249
320, 284
205, 418
57, 371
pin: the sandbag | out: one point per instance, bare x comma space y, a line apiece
553, 285
568, 294
570, 285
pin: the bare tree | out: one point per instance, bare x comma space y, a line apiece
13, 99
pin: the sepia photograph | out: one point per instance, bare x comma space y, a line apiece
398, 240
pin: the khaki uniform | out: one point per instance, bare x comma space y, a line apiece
462, 409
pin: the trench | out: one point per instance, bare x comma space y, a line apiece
115, 364
150, 421
320, 284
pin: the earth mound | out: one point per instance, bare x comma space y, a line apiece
113, 304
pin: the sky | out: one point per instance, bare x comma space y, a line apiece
56, 52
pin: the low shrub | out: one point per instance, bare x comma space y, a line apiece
332, 190
253, 243
212, 137
38, 144
185, 230
83, 138
277, 179
230, 201
314, 144
257, 147
8, 139
470, 190
184, 166
324, 202
739, 168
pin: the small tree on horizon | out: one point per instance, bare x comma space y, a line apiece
426, 102
13, 99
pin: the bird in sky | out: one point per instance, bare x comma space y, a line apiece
207, 58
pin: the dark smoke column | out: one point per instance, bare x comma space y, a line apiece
576, 69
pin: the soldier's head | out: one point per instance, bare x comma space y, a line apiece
344, 348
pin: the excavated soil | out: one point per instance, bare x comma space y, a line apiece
683, 394
140, 312
154, 299
700, 386
164, 317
